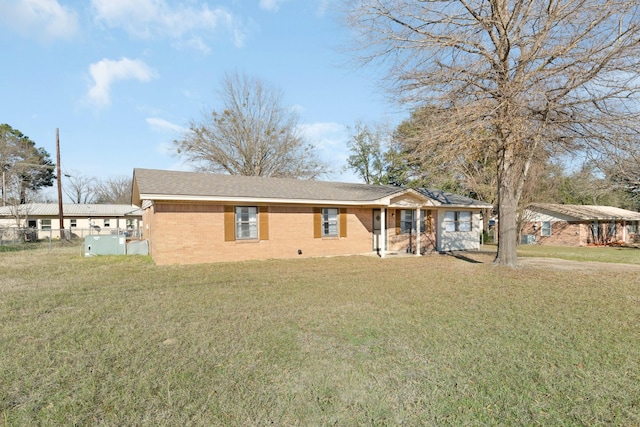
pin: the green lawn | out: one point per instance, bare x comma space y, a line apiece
626, 255
429, 340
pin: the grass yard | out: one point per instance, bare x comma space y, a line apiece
330, 341
625, 255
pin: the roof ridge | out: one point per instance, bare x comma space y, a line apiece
198, 185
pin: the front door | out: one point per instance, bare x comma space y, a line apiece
377, 228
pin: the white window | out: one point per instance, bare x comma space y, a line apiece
449, 221
73, 222
246, 222
464, 221
329, 222
408, 221
457, 221
107, 223
633, 227
545, 228
45, 224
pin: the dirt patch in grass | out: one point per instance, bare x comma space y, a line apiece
549, 263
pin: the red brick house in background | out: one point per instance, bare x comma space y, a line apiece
201, 217
579, 225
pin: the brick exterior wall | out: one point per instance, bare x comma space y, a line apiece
183, 233
562, 234
193, 233
565, 233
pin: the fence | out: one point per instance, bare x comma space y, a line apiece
22, 238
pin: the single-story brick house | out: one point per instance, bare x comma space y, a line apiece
41, 220
194, 217
579, 225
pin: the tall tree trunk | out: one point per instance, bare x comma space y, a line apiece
23, 194
509, 182
508, 233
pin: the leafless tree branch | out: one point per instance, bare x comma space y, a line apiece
535, 76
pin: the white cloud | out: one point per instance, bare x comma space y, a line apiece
42, 19
271, 5
324, 135
160, 18
196, 43
165, 149
107, 71
323, 7
163, 125
298, 109
330, 139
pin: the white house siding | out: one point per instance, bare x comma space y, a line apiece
532, 216
459, 240
80, 220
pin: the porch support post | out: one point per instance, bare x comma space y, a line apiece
624, 231
383, 232
418, 232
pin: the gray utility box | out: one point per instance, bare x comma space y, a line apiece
105, 245
138, 247
528, 239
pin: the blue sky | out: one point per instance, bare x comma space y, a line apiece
121, 79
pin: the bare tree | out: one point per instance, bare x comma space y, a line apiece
252, 133
539, 76
80, 189
621, 165
627, 180
115, 190
470, 171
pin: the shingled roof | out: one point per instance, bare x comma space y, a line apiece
446, 198
588, 212
153, 184
162, 182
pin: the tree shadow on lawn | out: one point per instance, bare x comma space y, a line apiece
464, 256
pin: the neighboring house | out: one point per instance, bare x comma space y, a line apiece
41, 220
579, 225
201, 217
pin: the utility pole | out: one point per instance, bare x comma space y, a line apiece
4, 188
59, 173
